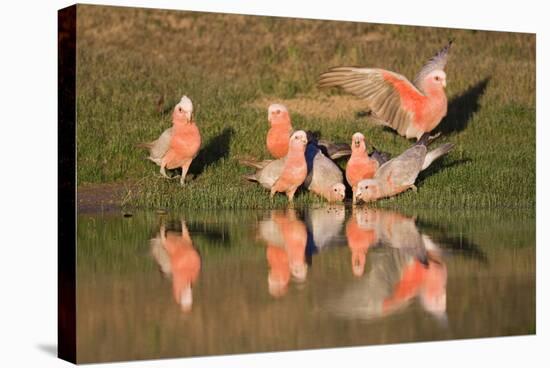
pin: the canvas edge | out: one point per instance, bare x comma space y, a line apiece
66, 184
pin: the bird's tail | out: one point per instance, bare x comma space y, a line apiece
146, 145
334, 150
381, 157
251, 177
254, 163
436, 153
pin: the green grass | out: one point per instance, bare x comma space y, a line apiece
128, 58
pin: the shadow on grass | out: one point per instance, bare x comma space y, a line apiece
462, 108
434, 168
216, 149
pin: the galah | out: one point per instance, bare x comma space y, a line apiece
360, 165
399, 174
179, 145
286, 238
281, 129
294, 169
360, 239
278, 276
294, 234
324, 177
411, 109
177, 257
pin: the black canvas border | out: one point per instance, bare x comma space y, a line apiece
66, 184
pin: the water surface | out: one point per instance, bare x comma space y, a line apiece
220, 282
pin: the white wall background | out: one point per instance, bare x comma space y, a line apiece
28, 154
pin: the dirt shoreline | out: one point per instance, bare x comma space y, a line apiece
106, 197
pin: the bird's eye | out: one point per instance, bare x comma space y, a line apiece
180, 109
437, 78
335, 189
277, 111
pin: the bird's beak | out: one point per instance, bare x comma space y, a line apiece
304, 140
357, 143
444, 83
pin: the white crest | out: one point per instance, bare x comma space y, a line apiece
275, 107
358, 136
187, 106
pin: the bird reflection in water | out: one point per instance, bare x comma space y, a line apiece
408, 265
324, 225
179, 260
286, 238
361, 235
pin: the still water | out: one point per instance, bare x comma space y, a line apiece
220, 282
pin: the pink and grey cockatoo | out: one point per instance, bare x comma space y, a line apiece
177, 146
360, 165
286, 238
411, 109
294, 168
324, 177
400, 173
281, 129
178, 258
360, 239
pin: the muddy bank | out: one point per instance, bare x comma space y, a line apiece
108, 197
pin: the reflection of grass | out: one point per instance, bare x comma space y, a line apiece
114, 243
128, 58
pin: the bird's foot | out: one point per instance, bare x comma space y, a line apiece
169, 177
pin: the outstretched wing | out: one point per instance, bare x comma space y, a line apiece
436, 62
390, 96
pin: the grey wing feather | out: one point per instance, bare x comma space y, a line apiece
437, 62
404, 168
324, 174
160, 255
270, 173
160, 146
380, 157
334, 150
380, 95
